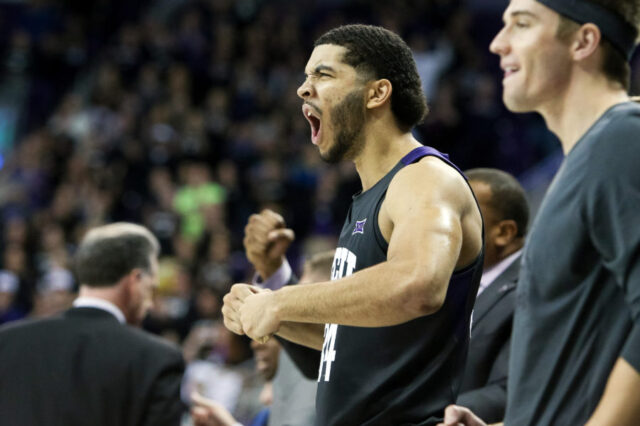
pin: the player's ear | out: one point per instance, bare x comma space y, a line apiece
378, 93
585, 41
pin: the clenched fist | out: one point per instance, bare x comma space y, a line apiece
250, 310
266, 240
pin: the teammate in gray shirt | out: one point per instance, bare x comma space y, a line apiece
575, 354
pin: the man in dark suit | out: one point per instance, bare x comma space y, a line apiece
86, 366
505, 214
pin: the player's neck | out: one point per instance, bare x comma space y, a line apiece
570, 116
384, 146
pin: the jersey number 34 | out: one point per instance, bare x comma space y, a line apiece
344, 262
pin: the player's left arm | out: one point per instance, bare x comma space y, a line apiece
612, 197
426, 205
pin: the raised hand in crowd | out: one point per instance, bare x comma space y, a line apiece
206, 412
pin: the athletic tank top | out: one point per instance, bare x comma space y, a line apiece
398, 375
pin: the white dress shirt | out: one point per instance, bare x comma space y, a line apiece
277, 280
105, 305
494, 272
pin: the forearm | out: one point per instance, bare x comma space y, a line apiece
620, 403
383, 295
267, 269
276, 279
305, 334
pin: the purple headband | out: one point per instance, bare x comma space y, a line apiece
620, 33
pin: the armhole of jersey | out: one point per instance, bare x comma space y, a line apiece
470, 267
382, 243
480, 257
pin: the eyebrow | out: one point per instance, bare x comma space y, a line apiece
321, 68
517, 13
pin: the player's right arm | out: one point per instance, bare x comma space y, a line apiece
421, 258
305, 334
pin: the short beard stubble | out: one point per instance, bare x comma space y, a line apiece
347, 119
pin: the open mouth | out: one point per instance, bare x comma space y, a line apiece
314, 121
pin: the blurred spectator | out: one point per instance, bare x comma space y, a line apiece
171, 315
221, 369
210, 413
54, 293
199, 201
9, 285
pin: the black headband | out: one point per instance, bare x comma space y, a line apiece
621, 34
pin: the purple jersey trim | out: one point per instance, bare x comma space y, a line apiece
423, 151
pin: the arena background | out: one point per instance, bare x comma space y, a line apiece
183, 115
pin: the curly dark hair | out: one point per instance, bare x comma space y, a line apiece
379, 53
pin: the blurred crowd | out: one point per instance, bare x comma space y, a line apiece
189, 124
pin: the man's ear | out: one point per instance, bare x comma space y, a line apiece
378, 93
508, 230
130, 280
585, 41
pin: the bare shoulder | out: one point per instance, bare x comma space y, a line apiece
433, 189
433, 179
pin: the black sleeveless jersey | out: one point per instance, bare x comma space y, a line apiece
399, 375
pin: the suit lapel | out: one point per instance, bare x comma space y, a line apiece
501, 286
